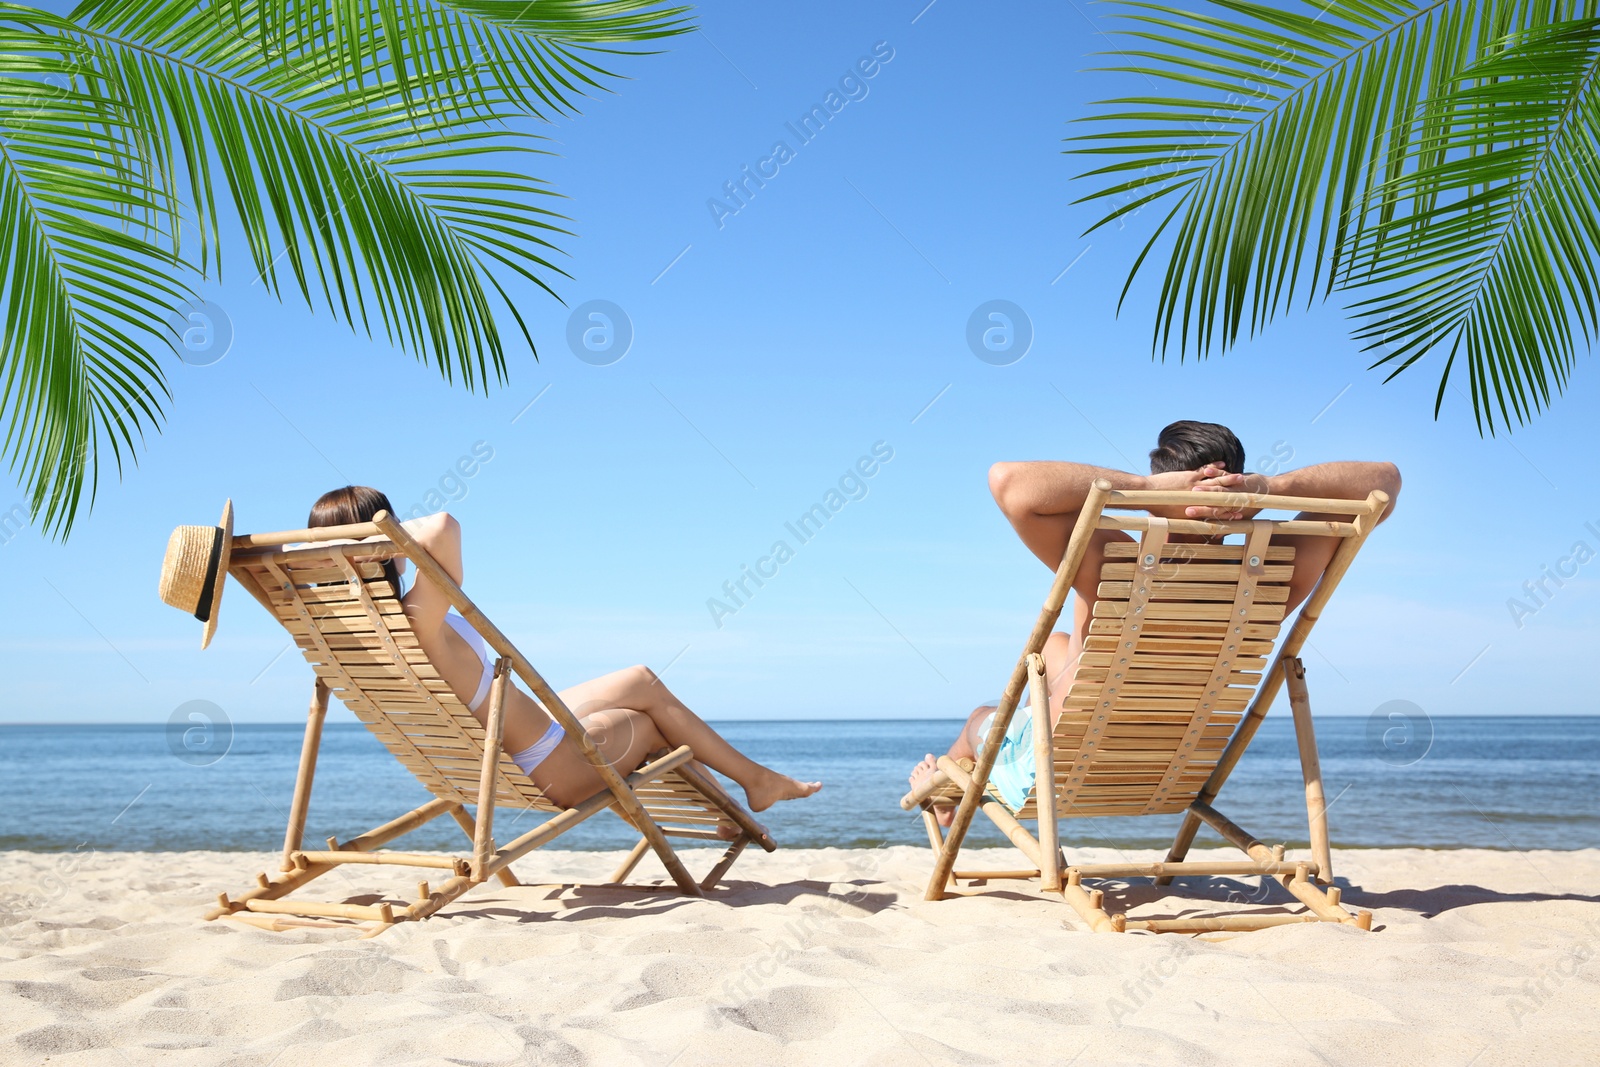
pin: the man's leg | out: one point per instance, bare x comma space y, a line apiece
965, 746
1061, 652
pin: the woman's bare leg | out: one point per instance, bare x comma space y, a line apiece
639, 689
624, 737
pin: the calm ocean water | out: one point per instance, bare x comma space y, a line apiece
1502, 782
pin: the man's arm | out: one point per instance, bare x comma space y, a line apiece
1347, 480
1350, 480
1042, 500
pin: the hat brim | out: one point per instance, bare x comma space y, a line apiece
221, 579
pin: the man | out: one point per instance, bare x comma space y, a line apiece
1042, 501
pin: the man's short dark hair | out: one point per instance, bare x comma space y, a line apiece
1188, 446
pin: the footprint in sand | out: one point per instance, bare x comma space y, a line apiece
793, 1013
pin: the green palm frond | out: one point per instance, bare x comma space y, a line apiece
540, 55
1497, 258
370, 207
1300, 148
85, 295
371, 157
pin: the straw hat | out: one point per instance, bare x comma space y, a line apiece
195, 568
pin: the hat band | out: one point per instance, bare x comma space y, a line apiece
202, 609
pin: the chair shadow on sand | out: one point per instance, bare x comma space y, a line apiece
579, 901
582, 901
1268, 897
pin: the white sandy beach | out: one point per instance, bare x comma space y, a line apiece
823, 956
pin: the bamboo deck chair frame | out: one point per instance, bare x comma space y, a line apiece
351, 628
1218, 718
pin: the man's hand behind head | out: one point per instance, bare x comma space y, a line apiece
1175, 480
1212, 478
1216, 479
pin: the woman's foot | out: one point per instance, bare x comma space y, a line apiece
920, 773
774, 787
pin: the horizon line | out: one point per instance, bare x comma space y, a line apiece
908, 718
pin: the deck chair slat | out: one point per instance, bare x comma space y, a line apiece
1167, 609
329, 575
1190, 591
372, 657
1165, 635
1192, 550
333, 594
1132, 688
350, 608
1194, 572
1151, 661
378, 671
1195, 673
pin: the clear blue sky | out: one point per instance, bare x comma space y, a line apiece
769, 355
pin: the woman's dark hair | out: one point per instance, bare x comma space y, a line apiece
352, 504
1188, 446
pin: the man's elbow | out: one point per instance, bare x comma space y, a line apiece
1387, 482
1003, 485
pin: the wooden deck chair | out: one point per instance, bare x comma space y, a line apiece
1173, 684
348, 622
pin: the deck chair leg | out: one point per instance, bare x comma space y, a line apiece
309, 747
1044, 781
944, 862
930, 822
1311, 767
738, 846
270, 889
631, 861
1181, 843
669, 857
494, 734
1088, 903
1324, 904
469, 825
1005, 821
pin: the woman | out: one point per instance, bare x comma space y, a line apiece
628, 714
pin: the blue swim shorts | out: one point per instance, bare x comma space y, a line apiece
1014, 768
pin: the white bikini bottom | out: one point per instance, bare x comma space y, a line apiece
540, 750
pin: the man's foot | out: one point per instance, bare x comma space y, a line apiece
774, 787
919, 773
731, 833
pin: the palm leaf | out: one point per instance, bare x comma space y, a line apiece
84, 295
1298, 148
539, 55
372, 162
1496, 262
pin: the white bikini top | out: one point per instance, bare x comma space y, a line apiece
475, 642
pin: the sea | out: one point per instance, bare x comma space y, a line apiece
1511, 782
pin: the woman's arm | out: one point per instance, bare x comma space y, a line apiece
426, 603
